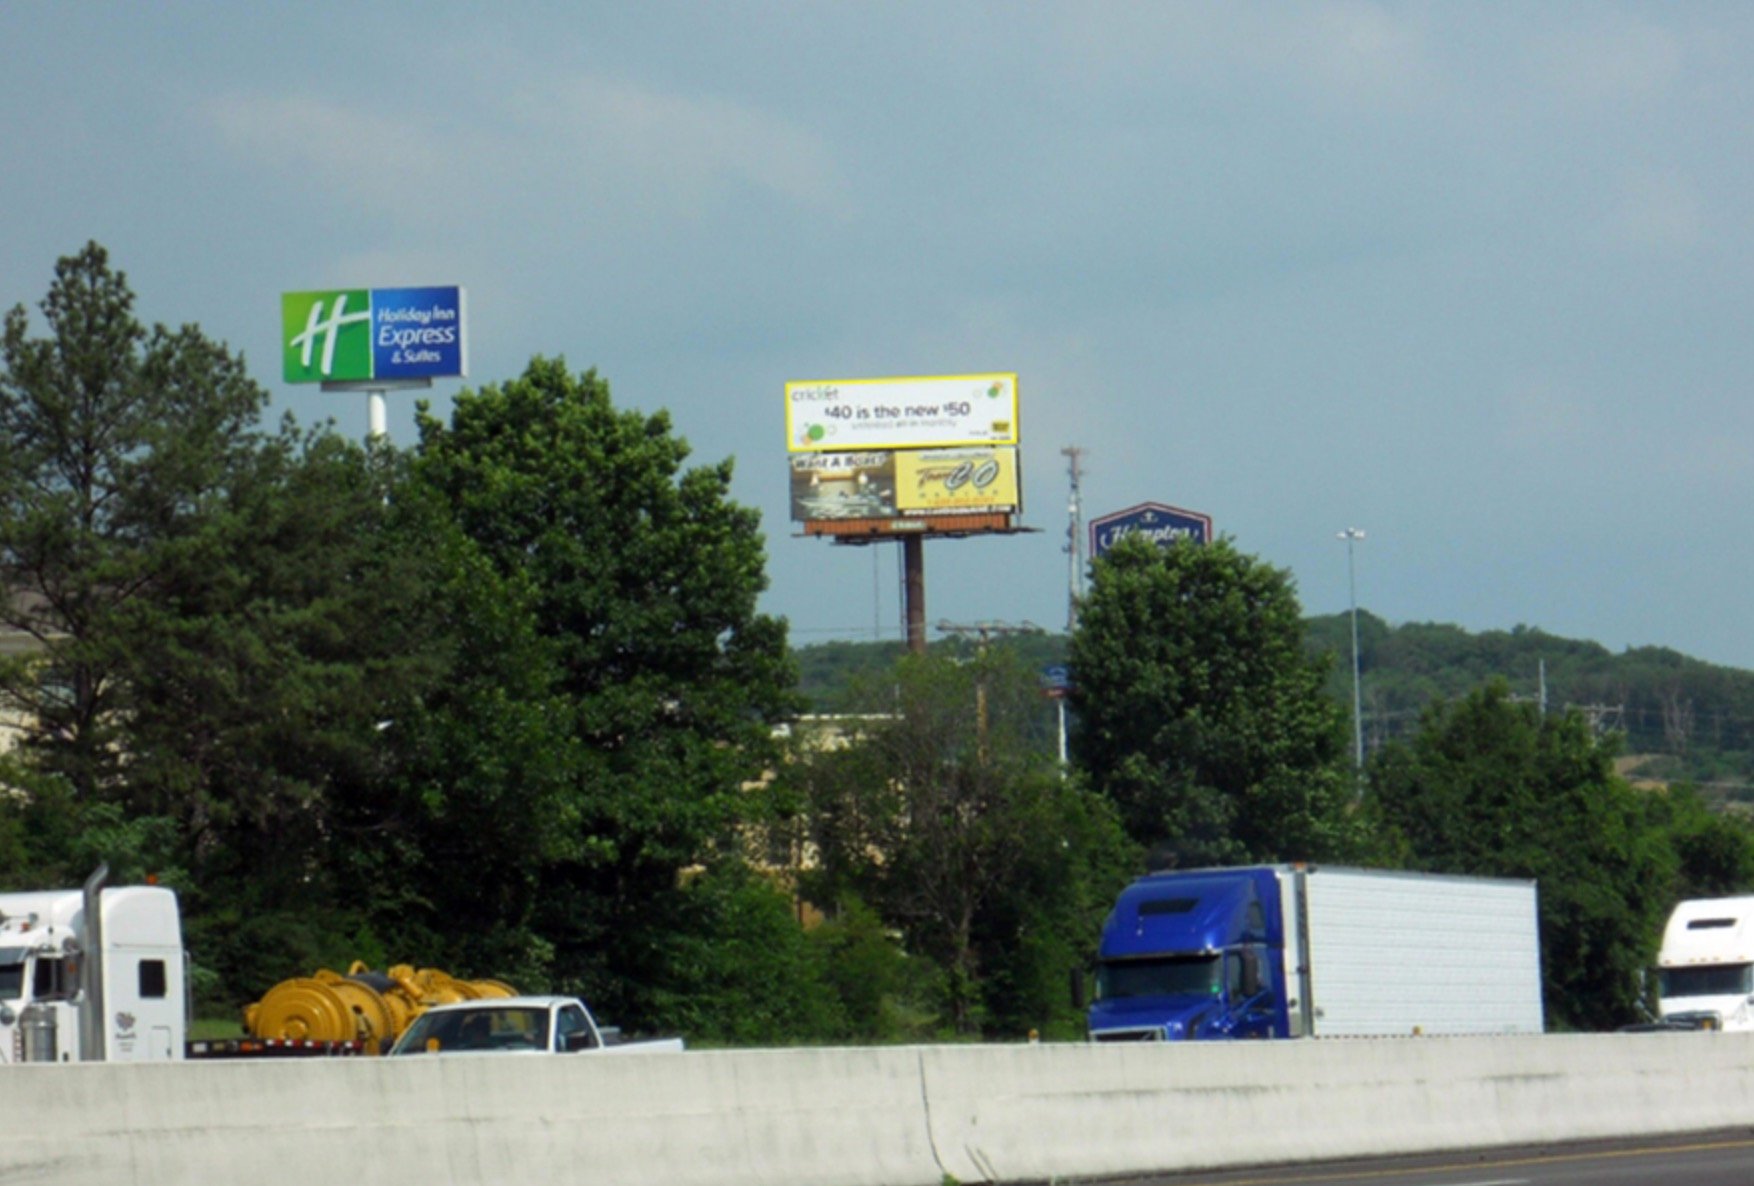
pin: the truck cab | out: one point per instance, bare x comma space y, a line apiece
73, 992
1705, 968
1192, 956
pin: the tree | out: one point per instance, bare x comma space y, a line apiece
1491, 787
955, 829
1714, 853
632, 585
219, 622
284, 638
113, 440
1199, 713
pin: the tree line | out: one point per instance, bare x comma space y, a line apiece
503, 702
1680, 718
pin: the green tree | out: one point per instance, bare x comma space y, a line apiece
633, 583
1714, 853
113, 441
1199, 712
740, 968
221, 619
285, 637
1490, 787
943, 817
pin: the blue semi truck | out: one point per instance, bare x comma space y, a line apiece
1287, 951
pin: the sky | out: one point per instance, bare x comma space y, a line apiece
1474, 279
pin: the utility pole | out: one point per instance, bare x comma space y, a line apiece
1074, 535
982, 632
1353, 535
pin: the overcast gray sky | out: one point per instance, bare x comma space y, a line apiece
1474, 278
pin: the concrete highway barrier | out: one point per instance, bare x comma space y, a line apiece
896, 1116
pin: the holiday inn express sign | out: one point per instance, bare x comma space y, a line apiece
362, 335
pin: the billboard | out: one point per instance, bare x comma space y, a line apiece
832, 415
1155, 521
363, 335
843, 486
956, 481
904, 484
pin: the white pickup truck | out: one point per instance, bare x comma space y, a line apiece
519, 1025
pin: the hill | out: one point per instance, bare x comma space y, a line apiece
1681, 718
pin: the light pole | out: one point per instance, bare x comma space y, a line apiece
1353, 535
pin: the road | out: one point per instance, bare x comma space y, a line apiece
1700, 1159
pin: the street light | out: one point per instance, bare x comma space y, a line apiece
1353, 535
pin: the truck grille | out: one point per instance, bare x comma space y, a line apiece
1148, 1034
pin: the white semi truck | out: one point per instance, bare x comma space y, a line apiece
93, 974
1705, 969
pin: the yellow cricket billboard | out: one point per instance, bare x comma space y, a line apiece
936, 412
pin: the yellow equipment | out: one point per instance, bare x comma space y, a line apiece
363, 1006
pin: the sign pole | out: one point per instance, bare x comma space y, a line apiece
377, 420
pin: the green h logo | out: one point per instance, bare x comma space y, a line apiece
326, 336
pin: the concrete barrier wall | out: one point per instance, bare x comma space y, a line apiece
853, 1117
1025, 1114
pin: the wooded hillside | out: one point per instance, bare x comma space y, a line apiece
1682, 719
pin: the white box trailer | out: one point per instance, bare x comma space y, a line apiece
1417, 953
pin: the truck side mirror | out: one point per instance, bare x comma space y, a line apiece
1080, 998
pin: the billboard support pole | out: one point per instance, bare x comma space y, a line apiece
377, 419
913, 558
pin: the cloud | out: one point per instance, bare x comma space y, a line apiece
669, 143
379, 159
590, 142
1537, 413
1348, 51
1362, 49
1652, 213
1615, 59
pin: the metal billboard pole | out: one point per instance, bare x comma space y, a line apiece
913, 561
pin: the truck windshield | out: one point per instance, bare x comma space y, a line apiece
1175, 975
485, 1028
1710, 980
11, 973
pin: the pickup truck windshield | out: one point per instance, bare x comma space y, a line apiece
1176, 975
1710, 980
485, 1028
